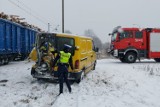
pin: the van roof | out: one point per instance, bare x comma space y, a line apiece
72, 35
66, 35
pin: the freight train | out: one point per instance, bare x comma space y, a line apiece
16, 40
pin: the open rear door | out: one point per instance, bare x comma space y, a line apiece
44, 39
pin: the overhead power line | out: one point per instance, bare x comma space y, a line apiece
42, 21
31, 10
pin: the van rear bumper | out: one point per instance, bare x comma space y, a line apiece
74, 75
54, 76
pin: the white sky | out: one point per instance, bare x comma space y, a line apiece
99, 15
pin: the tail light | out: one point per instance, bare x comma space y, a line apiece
77, 64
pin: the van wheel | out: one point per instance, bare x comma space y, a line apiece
81, 77
94, 66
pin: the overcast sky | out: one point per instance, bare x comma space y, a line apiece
99, 15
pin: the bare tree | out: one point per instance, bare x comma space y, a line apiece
68, 31
97, 41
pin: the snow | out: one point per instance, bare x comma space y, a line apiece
112, 84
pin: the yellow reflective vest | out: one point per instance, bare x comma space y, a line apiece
64, 57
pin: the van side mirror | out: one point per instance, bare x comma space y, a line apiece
96, 49
76, 47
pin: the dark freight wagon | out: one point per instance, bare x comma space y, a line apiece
16, 41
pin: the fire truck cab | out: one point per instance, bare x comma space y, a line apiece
130, 44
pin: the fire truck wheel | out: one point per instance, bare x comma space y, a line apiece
157, 59
130, 57
122, 60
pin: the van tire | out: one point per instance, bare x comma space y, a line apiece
94, 66
81, 77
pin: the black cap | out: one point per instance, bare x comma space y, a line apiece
67, 47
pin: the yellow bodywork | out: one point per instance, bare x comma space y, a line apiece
84, 52
33, 55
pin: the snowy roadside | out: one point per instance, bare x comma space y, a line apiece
112, 84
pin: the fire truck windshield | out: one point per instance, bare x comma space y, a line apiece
114, 36
126, 34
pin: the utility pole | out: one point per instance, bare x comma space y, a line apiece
48, 27
62, 16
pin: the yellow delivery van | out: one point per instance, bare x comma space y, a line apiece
83, 54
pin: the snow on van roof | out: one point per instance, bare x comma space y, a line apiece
66, 34
70, 34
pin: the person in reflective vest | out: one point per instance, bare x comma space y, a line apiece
64, 59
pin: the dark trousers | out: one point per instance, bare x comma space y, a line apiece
63, 77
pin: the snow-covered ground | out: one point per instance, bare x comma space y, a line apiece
112, 84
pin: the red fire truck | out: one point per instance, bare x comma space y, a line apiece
130, 44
